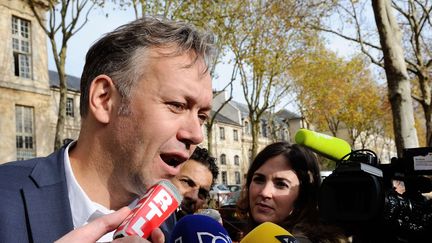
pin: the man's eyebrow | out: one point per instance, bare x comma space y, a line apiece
192, 100
189, 181
206, 108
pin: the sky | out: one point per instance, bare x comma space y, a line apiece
99, 24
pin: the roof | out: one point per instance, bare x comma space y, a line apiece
242, 108
281, 114
223, 119
287, 115
72, 81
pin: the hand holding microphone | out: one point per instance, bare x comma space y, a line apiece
269, 233
94, 230
158, 203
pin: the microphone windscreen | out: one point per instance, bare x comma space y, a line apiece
330, 147
158, 203
199, 229
269, 233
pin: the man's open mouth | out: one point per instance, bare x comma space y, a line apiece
172, 160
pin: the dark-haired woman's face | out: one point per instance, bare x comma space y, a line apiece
273, 190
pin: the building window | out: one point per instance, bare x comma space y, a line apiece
21, 47
70, 107
247, 128
235, 135
224, 177
24, 122
223, 159
236, 160
237, 177
222, 133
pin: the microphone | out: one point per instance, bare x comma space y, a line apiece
157, 204
197, 228
330, 147
270, 233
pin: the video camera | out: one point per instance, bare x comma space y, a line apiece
360, 197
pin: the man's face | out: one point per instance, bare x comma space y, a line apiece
194, 182
166, 111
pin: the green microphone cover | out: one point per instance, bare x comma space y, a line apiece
330, 147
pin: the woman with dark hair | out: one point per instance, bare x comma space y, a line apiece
282, 187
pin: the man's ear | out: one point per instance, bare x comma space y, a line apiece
102, 96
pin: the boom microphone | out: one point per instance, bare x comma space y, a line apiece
197, 228
330, 147
270, 233
158, 203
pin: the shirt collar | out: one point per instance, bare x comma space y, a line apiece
83, 209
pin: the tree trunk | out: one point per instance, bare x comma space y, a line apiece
255, 132
428, 112
399, 89
425, 88
209, 137
60, 128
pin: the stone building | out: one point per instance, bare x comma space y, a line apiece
28, 94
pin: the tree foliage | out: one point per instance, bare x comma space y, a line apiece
334, 93
265, 43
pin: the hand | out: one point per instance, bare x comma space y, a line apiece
157, 236
94, 230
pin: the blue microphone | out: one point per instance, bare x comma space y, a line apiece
199, 229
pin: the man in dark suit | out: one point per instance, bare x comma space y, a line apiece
145, 92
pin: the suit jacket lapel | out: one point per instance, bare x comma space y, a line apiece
47, 201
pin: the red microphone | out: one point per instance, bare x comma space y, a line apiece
158, 203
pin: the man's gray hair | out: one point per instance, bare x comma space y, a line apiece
117, 53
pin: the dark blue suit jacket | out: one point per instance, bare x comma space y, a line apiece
34, 204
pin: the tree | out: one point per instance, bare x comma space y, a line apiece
321, 88
363, 104
383, 141
399, 88
63, 22
336, 94
400, 67
265, 44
